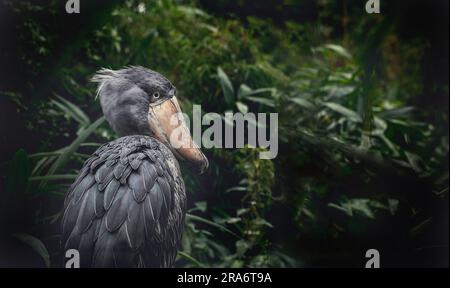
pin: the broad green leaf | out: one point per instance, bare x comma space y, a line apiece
91, 144
260, 100
206, 221
263, 222
393, 205
72, 148
75, 111
236, 189
338, 91
233, 220
191, 259
397, 113
419, 228
243, 91
243, 108
241, 247
192, 11
242, 211
227, 87
46, 154
42, 164
362, 206
201, 206
350, 114
339, 50
302, 102
36, 245
380, 126
415, 161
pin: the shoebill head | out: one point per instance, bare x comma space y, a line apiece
138, 101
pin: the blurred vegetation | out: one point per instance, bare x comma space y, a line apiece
363, 159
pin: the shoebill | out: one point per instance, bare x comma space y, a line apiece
127, 206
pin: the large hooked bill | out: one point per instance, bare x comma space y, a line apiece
168, 125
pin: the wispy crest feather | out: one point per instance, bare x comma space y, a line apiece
132, 73
102, 76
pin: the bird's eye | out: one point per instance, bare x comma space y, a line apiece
156, 95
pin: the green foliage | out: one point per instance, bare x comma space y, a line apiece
343, 132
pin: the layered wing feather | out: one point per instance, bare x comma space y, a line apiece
127, 206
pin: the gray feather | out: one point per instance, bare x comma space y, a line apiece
165, 188
81, 188
135, 225
117, 214
87, 210
156, 200
117, 210
110, 192
118, 170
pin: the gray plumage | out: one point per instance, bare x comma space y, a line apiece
122, 211
127, 206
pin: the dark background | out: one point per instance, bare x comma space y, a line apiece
30, 78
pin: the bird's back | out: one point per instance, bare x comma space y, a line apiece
126, 208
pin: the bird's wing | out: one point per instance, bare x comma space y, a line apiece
126, 208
